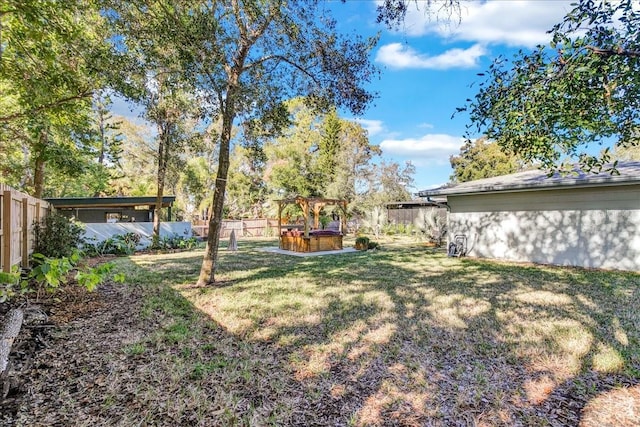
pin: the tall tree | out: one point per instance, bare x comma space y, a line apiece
247, 191
136, 172
247, 57
168, 108
393, 12
49, 66
482, 159
555, 103
390, 183
106, 129
292, 168
319, 155
329, 144
353, 168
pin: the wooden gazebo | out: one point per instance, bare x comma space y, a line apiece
305, 237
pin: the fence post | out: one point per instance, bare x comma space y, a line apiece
25, 232
6, 230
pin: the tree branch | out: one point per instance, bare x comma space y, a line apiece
81, 95
280, 58
614, 52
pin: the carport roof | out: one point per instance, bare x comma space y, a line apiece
629, 173
108, 202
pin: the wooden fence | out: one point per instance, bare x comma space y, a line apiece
18, 212
260, 227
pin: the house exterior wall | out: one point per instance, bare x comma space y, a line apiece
98, 232
597, 227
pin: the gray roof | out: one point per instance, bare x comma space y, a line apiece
106, 202
629, 173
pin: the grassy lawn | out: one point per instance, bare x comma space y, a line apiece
398, 336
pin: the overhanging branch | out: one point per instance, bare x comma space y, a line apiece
614, 52
81, 95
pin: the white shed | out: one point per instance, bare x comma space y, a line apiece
581, 219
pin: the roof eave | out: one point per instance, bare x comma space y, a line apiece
524, 187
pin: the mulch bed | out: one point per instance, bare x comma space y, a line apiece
53, 358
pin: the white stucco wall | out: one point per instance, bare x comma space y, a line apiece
581, 227
98, 232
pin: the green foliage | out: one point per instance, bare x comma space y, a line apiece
52, 271
400, 229
57, 236
326, 156
49, 274
221, 51
92, 277
324, 220
11, 284
118, 244
373, 245
553, 104
176, 241
481, 159
51, 55
362, 243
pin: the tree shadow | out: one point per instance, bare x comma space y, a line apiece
401, 337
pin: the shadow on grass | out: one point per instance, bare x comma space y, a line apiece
407, 337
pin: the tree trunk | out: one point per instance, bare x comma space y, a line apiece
207, 272
163, 148
10, 331
39, 165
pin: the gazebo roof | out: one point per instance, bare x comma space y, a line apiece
312, 200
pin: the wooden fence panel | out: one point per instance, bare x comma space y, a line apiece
259, 227
18, 211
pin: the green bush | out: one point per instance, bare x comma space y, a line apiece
49, 273
57, 236
118, 244
177, 242
11, 284
362, 243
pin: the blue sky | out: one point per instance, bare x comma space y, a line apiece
428, 67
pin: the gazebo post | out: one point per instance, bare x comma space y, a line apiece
343, 218
280, 224
316, 215
305, 212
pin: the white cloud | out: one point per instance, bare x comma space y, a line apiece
397, 55
436, 147
514, 23
373, 127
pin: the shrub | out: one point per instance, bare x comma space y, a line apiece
362, 243
49, 273
118, 244
11, 284
177, 242
373, 245
57, 236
